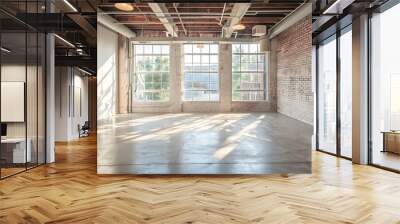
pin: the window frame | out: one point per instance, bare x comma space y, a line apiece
192, 54
370, 63
264, 72
163, 74
335, 36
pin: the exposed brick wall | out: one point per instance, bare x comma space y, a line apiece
294, 78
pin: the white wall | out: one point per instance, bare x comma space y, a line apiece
70, 81
14, 73
34, 124
107, 42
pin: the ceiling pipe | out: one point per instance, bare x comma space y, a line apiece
194, 40
164, 16
110, 23
253, 13
160, 23
72, 7
222, 14
180, 19
170, 13
238, 12
272, 11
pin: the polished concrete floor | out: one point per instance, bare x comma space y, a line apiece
214, 143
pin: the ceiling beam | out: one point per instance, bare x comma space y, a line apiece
302, 11
84, 24
237, 13
112, 24
192, 40
163, 15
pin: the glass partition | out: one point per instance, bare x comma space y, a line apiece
13, 94
385, 89
31, 97
41, 97
22, 88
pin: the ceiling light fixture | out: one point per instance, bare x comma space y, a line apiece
65, 41
337, 7
124, 6
84, 71
200, 45
239, 26
70, 5
5, 50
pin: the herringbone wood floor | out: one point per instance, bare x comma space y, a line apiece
69, 191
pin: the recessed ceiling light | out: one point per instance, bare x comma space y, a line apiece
5, 50
84, 71
239, 27
124, 6
64, 40
70, 5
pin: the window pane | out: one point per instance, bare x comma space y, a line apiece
148, 49
138, 49
188, 48
253, 48
188, 59
156, 49
165, 49
214, 48
236, 48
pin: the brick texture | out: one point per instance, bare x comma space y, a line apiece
294, 78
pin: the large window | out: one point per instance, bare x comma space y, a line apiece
335, 107
385, 88
248, 73
201, 81
346, 92
327, 95
151, 72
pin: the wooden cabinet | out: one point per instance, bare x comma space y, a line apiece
391, 142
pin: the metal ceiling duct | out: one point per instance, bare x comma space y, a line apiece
112, 24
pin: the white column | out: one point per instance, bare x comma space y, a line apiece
50, 99
176, 68
225, 74
360, 90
